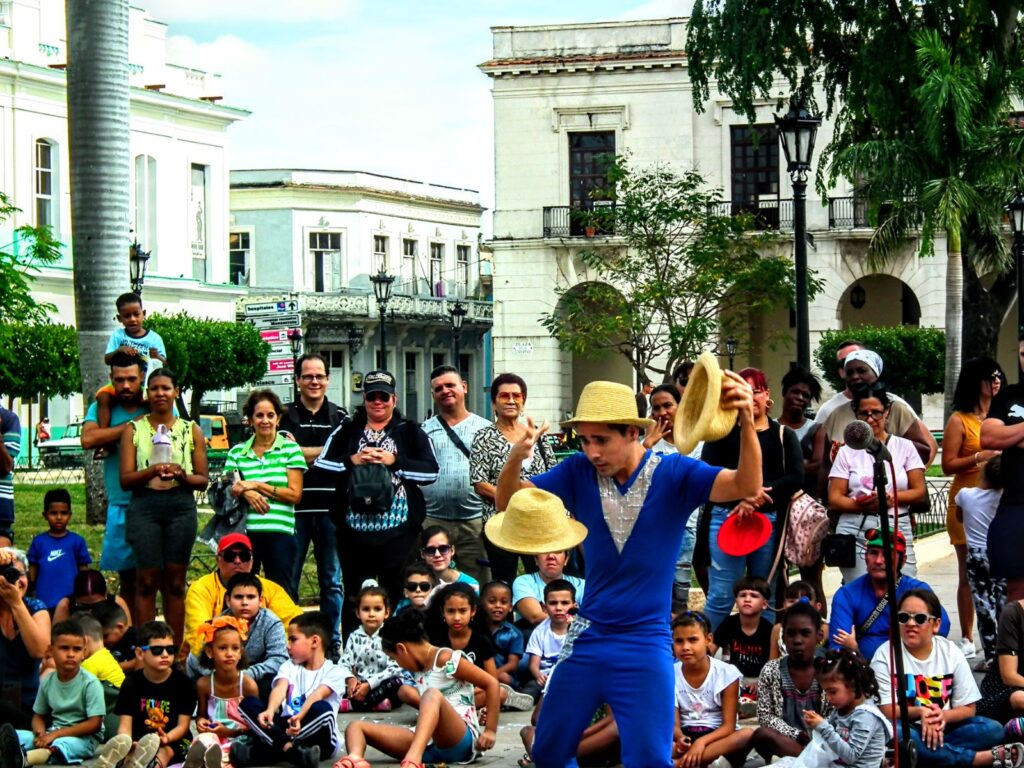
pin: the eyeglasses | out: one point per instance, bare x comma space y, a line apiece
440, 549
997, 376
376, 397
865, 415
918, 618
418, 586
313, 377
236, 555
510, 397
160, 650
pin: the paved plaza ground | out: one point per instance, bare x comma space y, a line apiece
937, 567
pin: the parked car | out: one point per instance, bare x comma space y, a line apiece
64, 451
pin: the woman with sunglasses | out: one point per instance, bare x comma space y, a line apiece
944, 695
24, 638
851, 485
373, 543
438, 553
491, 446
980, 380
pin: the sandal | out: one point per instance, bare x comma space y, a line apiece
525, 761
357, 762
1012, 755
410, 764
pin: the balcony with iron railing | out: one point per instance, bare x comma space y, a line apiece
574, 221
847, 213
769, 214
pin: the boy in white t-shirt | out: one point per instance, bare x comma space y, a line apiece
548, 637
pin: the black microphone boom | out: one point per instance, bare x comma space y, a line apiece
859, 436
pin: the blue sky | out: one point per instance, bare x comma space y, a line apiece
388, 86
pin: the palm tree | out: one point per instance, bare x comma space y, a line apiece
938, 173
98, 130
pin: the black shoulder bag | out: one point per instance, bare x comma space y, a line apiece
456, 441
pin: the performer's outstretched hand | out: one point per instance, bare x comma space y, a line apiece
737, 395
523, 448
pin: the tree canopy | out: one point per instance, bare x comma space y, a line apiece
913, 358
38, 359
682, 276
32, 247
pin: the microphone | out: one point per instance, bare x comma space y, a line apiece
859, 436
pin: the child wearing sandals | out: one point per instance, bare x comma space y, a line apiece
707, 698
447, 729
220, 693
855, 733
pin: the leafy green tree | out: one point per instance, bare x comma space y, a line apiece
210, 355
32, 247
914, 357
682, 275
916, 90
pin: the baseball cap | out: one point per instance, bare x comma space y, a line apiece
875, 539
232, 539
379, 381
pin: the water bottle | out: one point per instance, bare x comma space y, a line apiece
161, 446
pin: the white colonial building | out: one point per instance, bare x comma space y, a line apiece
179, 165
313, 238
564, 95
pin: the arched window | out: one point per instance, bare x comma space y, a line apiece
45, 166
145, 205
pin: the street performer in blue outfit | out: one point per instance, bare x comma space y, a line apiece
634, 504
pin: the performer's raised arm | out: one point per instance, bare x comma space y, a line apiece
509, 480
745, 480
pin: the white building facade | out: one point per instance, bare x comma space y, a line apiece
179, 166
313, 238
564, 95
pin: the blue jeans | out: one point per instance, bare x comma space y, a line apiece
726, 570
684, 564
959, 743
275, 554
319, 528
74, 749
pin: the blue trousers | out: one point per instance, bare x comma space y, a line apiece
959, 742
319, 528
276, 554
74, 749
319, 728
726, 570
631, 671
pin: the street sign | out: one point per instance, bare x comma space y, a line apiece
273, 322
255, 308
275, 381
280, 365
277, 336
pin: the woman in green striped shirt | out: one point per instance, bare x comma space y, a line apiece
270, 468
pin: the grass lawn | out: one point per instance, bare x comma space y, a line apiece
28, 509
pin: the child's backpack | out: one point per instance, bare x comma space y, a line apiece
806, 529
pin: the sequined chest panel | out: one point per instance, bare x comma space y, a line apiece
621, 510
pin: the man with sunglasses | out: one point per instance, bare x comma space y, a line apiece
860, 610
205, 597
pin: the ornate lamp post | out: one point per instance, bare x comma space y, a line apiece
295, 340
458, 312
137, 259
797, 131
731, 345
1016, 209
382, 283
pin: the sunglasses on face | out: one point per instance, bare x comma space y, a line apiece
510, 397
418, 586
377, 397
160, 650
865, 415
918, 618
440, 549
236, 555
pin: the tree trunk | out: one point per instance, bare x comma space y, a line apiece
99, 142
984, 310
954, 324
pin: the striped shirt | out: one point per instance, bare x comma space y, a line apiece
272, 469
10, 433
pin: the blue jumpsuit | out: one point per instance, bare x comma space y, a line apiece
619, 649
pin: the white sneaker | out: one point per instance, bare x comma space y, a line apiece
195, 754
111, 753
144, 752
967, 646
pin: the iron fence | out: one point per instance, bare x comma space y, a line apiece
769, 214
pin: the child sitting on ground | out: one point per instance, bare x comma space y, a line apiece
221, 692
976, 507
707, 698
548, 637
54, 557
98, 659
156, 701
298, 724
132, 339
437, 552
118, 637
745, 637
67, 717
372, 678
788, 687
507, 639
265, 649
447, 729
797, 592
419, 584
855, 733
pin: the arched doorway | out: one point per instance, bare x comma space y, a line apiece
879, 300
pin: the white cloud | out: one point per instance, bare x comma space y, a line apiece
660, 9
290, 12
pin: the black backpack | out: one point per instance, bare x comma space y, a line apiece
370, 490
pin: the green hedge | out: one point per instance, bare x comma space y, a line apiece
914, 359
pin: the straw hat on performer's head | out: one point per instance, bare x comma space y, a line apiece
700, 415
534, 523
605, 402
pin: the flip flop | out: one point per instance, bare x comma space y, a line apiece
525, 761
351, 762
1008, 755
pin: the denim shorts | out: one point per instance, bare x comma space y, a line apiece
463, 752
162, 527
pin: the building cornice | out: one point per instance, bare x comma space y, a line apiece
308, 190
583, 63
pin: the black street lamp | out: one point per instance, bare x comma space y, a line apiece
731, 345
382, 282
295, 340
458, 311
797, 131
137, 259
1016, 209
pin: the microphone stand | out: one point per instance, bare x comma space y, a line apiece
906, 750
